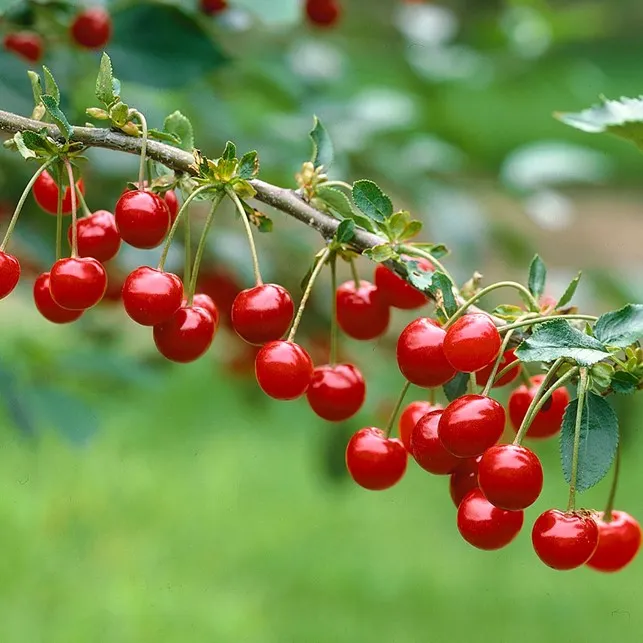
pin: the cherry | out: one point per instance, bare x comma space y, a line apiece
485, 526
471, 424
284, 370
564, 540
464, 479
45, 192
47, 307
26, 44
212, 7
151, 297
472, 342
201, 300
398, 293
9, 273
169, 197
508, 357
427, 449
186, 336
510, 476
361, 311
77, 283
409, 417
323, 13
336, 392
142, 218
420, 354
619, 541
549, 419
92, 28
97, 236
262, 314
375, 461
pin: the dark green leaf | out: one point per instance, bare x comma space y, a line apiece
25, 151
180, 126
248, 165
105, 82
163, 136
370, 199
457, 386
442, 290
570, 291
56, 114
620, 327
341, 205
322, 145
230, 151
380, 253
51, 86
345, 231
537, 277
624, 383
35, 141
437, 250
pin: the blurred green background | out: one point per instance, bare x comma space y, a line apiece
143, 501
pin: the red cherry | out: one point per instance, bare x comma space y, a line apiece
172, 204
336, 392
204, 301
26, 44
472, 342
374, 461
92, 28
420, 354
361, 311
398, 293
284, 370
186, 336
323, 13
564, 540
262, 314
142, 218
619, 541
9, 273
510, 476
212, 7
47, 307
97, 236
77, 283
427, 449
471, 424
548, 420
45, 192
485, 526
508, 357
464, 479
409, 417
151, 297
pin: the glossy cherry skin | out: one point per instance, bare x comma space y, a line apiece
77, 283
398, 293
374, 461
26, 44
9, 273
186, 336
464, 479
151, 297
361, 312
142, 218
47, 307
212, 7
618, 542
97, 236
420, 354
45, 192
92, 28
472, 342
169, 197
471, 424
336, 392
510, 476
323, 13
409, 417
283, 369
201, 300
485, 526
564, 540
428, 450
262, 314
548, 420
508, 357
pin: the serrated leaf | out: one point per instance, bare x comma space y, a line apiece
51, 87
380, 253
25, 152
36, 87
537, 277
345, 231
620, 327
553, 339
35, 141
56, 114
248, 165
570, 291
370, 199
508, 312
230, 151
456, 387
322, 145
598, 440
107, 90
341, 205
624, 383
179, 125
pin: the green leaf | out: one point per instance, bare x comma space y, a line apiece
620, 327
442, 290
345, 231
59, 118
601, 375
456, 387
341, 205
598, 440
322, 145
248, 165
537, 277
163, 136
570, 291
230, 151
119, 113
508, 312
396, 224
412, 230
180, 126
624, 383
25, 152
437, 250
380, 253
553, 339
35, 141
51, 87
36, 87
370, 199
105, 89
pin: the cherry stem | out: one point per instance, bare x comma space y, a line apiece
418, 252
472, 383
526, 378
510, 367
432, 396
333, 319
74, 221
396, 409
339, 184
187, 242
83, 204
354, 272
253, 250
309, 287
607, 514
21, 202
582, 389
538, 320
494, 371
59, 220
141, 167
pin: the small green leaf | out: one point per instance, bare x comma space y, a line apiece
396, 224
442, 290
163, 136
380, 253
341, 205
345, 231
437, 250
230, 151
370, 199
624, 383
601, 375
119, 113
620, 327
508, 312
417, 276
537, 277
36, 87
51, 87
106, 90
248, 165
598, 440
25, 152
570, 291
412, 230
322, 145
97, 113
180, 126
456, 387
59, 118
35, 141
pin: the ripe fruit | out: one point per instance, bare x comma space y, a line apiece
284, 370
26, 44
510, 476
471, 424
548, 420
77, 283
472, 342
92, 28
142, 218
336, 392
508, 357
151, 297
485, 526
213, 6
618, 542
204, 301
172, 204
97, 236
47, 307
464, 479
9, 273
361, 311
186, 335
420, 354
409, 417
323, 13
45, 192
374, 461
427, 449
262, 314
564, 540
395, 291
